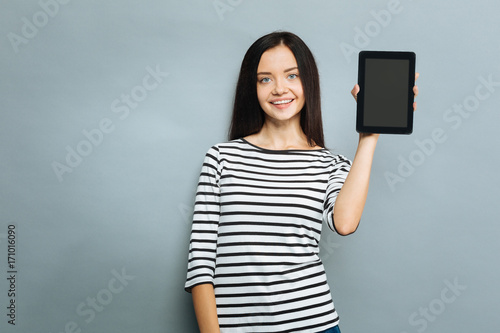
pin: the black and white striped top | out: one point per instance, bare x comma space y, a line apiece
255, 236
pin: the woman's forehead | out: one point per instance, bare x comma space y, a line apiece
279, 58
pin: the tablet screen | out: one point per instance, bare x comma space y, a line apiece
385, 102
386, 98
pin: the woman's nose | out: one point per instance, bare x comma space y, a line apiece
279, 88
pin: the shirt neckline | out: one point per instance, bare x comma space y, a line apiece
281, 150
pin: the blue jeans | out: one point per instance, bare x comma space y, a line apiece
334, 329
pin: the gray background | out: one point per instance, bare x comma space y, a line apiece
431, 219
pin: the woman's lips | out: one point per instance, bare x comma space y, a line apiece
282, 103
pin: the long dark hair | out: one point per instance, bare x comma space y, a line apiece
248, 116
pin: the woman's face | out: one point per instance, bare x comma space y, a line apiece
279, 88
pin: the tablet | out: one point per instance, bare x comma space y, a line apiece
385, 99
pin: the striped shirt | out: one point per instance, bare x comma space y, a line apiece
255, 236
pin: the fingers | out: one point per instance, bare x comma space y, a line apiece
415, 88
415, 91
355, 91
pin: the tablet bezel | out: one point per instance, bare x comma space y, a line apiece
401, 55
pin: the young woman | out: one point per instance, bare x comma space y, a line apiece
262, 197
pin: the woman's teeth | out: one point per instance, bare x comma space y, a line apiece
285, 101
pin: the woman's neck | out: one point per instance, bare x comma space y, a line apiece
280, 136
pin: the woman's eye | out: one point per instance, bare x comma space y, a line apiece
292, 76
265, 80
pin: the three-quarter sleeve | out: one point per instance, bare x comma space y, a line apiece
340, 170
202, 246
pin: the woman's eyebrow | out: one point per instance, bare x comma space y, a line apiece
286, 70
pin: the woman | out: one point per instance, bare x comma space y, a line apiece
262, 197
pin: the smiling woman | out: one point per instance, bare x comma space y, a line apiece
276, 68
263, 197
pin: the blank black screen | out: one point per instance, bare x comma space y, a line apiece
386, 93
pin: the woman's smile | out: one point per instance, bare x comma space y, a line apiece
282, 103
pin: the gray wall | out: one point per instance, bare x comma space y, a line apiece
107, 108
